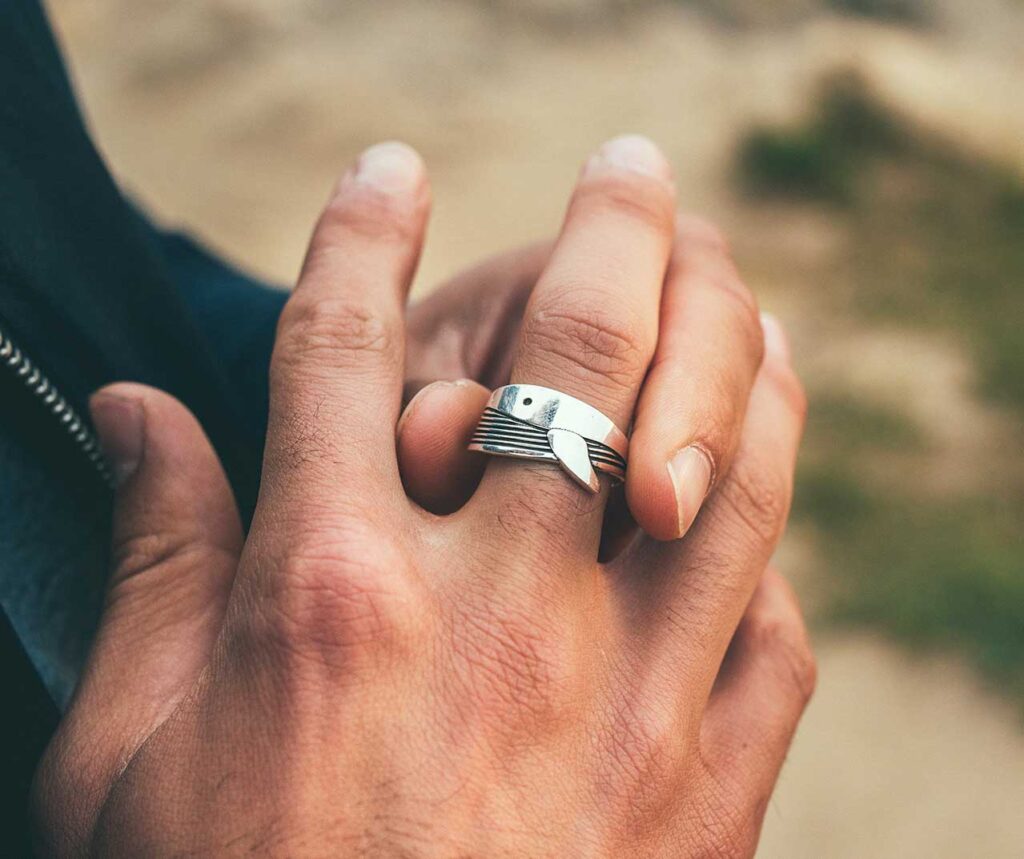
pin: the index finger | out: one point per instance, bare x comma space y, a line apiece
336, 371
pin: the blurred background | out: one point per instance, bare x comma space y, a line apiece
866, 157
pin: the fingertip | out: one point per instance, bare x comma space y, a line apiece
119, 419
651, 496
383, 198
437, 470
161, 459
776, 342
633, 152
391, 167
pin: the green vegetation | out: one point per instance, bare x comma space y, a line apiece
824, 159
936, 243
904, 11
753, 13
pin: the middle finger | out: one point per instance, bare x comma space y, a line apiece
590, 327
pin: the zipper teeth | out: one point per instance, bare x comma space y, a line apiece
43, 390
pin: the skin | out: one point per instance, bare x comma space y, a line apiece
362, 677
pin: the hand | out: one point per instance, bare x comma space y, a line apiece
467, 327
360, 677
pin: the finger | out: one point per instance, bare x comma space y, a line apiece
466, 329
691, 593
761, 692
176, 542
336, 371
694, 400
438, 471
591, 324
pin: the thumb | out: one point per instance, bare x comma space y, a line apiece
176, 541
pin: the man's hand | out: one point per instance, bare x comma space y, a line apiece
467, 327
360, 677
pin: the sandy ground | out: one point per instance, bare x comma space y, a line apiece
899, 758
232, 117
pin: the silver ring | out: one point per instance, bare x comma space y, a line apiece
531, 422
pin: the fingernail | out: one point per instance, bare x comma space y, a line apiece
419, 396
120, 425
776, 343
391, 167
690, 471
632, 152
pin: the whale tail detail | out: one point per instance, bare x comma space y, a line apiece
570, 449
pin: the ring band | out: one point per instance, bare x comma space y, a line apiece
531, 422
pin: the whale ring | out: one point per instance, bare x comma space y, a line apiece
535, 423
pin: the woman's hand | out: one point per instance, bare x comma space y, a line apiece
360, 677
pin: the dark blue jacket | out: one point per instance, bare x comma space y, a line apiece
93, 293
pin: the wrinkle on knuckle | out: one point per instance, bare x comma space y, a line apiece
757, 495
789, 652
146, 553
334, 333
719, 278
745, 308
592, 341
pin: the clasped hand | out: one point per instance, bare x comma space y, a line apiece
363, 676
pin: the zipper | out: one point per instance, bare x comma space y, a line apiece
36, 382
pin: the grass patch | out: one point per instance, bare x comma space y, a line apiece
929, 573
937, 243
900, 11
824, 159
754, 13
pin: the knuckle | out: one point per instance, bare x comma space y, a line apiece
334, 331
790, 651
642, 199
644, 760
142, 553
333, 607
594, 342
745, 307
758, 494
722, 278
722, 824
728, 840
